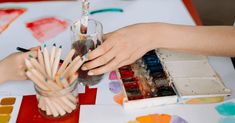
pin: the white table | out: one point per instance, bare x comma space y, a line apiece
135, 11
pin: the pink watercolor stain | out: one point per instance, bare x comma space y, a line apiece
8, 15
113, 75
47, 28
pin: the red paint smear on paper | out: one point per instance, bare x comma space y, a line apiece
8, 15
29, 112
47, 28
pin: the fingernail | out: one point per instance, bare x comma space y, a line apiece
90, 73
84, 68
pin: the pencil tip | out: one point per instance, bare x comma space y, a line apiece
60, 46
54, 44
61, 78
86, 56
44, 45
30, 56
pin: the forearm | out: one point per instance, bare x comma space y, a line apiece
207, 40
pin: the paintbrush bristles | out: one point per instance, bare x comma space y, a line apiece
48, 76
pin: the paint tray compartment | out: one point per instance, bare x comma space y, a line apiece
162, 77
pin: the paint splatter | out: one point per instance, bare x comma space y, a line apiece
145, 119
205, 100
226, 109
119, 98
113, 75
115, 87
8, 15
47, 28
159, 118
6, 109
177, 119
227, 120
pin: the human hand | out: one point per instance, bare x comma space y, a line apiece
120, 48
13, 67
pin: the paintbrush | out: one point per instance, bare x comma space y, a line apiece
22, 49
84, 19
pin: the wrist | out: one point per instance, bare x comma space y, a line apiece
3, 77
157, 35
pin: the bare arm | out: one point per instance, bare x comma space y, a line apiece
207, 40
13, 67
126, 45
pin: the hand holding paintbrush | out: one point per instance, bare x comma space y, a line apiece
54, 83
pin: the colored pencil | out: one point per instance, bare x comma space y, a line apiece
59, 109
73, 78
56, 62
41, 59
47, 61
63, 105
51, 107
37, 65
67, 60
36, 81
52, 56
71, 65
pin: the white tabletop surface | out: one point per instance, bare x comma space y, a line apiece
135, 11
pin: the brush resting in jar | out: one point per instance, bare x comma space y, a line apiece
82, 47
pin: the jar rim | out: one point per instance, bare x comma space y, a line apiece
62, 91
77, 24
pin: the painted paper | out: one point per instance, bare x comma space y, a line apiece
8, 15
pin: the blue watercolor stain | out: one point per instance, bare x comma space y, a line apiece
177, 119
115, 87
227, 120
106, 10
226, 109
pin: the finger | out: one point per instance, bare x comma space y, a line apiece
132, 59
106, 36
124, 63
106, 68
32, 53
102, 60
35, 48
100, 50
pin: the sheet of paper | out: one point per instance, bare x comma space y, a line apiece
205, 113
104, 95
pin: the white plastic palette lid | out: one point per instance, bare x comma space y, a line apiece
192, 75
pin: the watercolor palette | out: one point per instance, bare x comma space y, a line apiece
162, 77
9, 107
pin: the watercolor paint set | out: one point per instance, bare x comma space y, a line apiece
9, 108
162, 77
